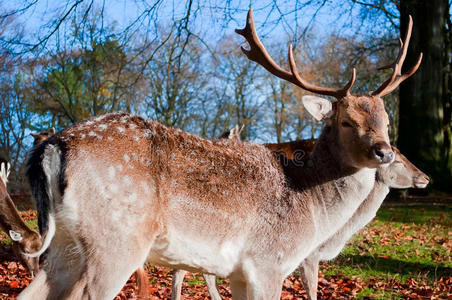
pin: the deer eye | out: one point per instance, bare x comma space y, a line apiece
346, 124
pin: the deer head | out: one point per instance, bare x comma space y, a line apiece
233, 133
40, 137
359, 123
402, 174
24, 239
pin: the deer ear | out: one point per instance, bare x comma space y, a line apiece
52, 130
15, 236
319, 108
3, 175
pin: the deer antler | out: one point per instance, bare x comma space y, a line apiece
257, 53
397, 78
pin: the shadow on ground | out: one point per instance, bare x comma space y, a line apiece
391, 265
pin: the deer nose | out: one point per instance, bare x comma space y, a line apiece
421, 181
383, 153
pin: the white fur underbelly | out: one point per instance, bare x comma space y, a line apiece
191, 252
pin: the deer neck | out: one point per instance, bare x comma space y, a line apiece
368, 209
10, 218
335, 189
362, 216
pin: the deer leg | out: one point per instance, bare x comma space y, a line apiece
143, 283
269, 290
238, 289
212, 286
62, 270
309, 274
258, 289
105, 275
176, 288
38, 289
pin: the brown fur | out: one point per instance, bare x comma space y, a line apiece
298, 150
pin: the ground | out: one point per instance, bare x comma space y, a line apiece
405, 253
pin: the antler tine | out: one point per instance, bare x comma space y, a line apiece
338, 93
259, 54
397, 78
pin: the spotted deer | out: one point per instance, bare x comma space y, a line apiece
24, 239
122, 190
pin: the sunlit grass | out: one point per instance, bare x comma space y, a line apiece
401, 243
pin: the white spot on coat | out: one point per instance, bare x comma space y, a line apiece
111, 172
102, 127
127, 180
134, 156
145, 187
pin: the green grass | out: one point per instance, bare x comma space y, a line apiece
401, 243
372, 293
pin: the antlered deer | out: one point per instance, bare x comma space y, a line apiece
24, 239
123, 190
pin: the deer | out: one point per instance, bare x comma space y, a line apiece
228, 208
233, 133
25, 240
295, 150
400, 174
41, 136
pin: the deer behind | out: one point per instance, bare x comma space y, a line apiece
24, 239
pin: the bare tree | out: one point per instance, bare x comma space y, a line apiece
175, 80
15, 118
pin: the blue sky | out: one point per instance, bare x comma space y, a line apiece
211, 22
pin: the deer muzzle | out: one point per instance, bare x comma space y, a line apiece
383, 153
421, 181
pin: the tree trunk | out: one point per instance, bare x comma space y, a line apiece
425, 123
